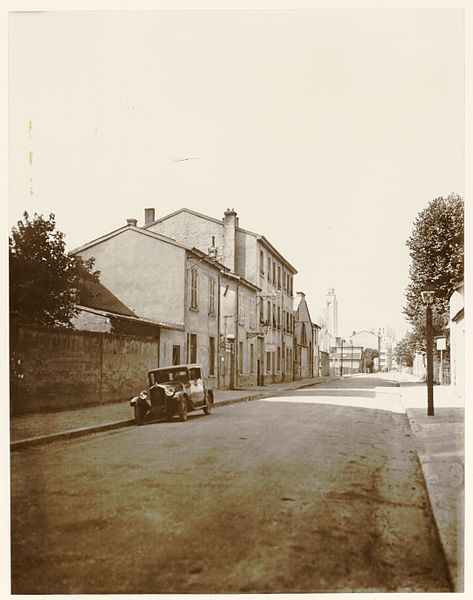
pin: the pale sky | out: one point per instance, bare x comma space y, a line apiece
327, 131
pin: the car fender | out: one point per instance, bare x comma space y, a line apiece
134, 401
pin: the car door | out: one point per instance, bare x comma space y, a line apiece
196, 386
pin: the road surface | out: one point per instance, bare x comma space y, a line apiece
316, 490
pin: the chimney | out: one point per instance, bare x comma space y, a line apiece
149, 216
230, 223
131, 222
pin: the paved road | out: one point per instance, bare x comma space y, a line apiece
317, 490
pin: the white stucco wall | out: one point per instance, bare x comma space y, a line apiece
145, 273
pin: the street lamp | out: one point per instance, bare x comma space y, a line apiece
428, 295
341, 358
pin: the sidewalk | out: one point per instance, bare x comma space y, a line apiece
440, 443
36, 428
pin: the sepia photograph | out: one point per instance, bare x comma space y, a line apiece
236, 291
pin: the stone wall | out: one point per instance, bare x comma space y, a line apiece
60, 368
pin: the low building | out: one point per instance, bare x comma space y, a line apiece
303, 339
457, 340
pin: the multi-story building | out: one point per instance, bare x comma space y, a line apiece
346, 358
252, 257
182, 290
382, 340
457, 339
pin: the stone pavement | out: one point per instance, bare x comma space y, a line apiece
35, 428
440, 444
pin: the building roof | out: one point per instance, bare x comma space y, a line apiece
135, 319
93, 294
261, 238
119, 231
242, 280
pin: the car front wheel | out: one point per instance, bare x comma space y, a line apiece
183, 409
209, 397
139, 415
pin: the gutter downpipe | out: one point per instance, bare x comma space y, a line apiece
218, 332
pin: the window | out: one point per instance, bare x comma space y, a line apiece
279, 317
274, 273
176, 355
278, 363
261, 311
252, 312
212, 295
269, 269
279, 277
194, 288
194, 374
252, 358
241, 309
303, 335
274, 316
287, 323
290, 286
191, 348
269, 313
261, 262
268, 362
240, 357
211, 356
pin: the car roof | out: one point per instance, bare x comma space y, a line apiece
185, 366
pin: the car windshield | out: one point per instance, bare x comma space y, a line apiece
169, 375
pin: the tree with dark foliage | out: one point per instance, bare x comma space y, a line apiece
369, 354
437, 257
43, 277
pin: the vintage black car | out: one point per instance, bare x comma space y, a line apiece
172, 391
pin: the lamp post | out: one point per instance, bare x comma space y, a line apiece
428, 295
341, 359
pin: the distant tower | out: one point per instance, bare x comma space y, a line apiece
331, 313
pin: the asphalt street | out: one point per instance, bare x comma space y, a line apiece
314, 490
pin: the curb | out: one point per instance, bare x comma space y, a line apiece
72, 433
422, 459
75, 433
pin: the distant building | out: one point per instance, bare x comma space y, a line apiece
457, 340
331, 314
346, 358
303, 339
382, 340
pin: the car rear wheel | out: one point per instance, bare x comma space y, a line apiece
209, 397
183, 409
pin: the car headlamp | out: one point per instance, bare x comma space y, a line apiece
169, 391
143, 395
